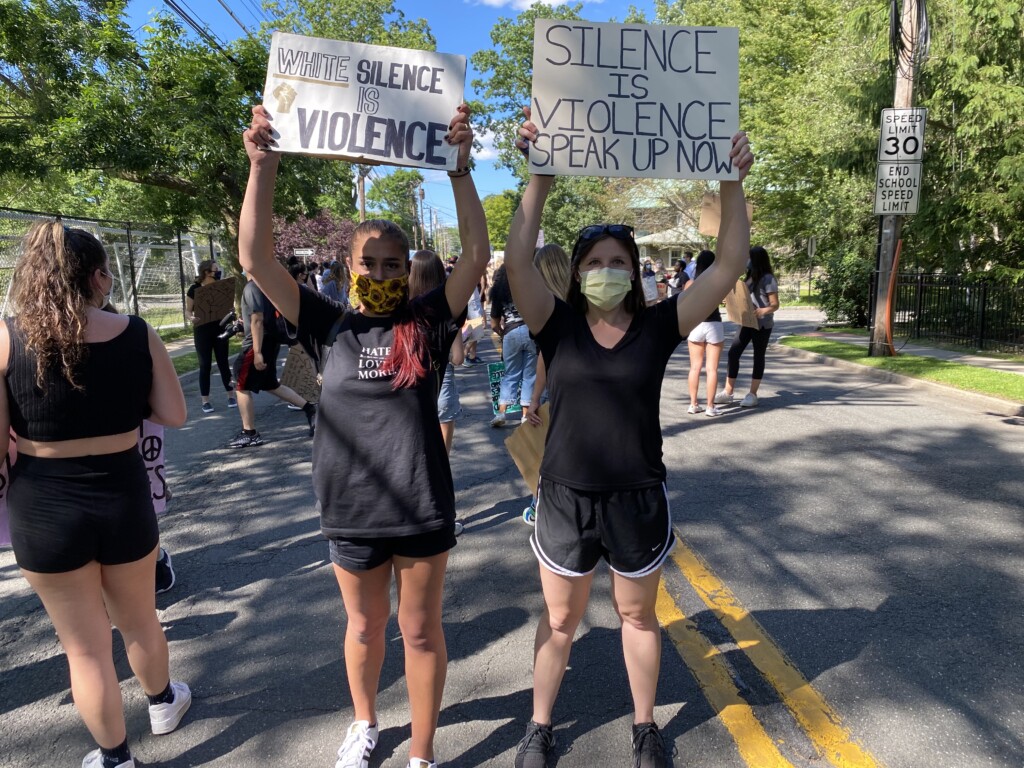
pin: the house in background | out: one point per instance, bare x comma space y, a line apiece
669, 244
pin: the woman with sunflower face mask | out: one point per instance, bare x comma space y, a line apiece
602, 491
380, 469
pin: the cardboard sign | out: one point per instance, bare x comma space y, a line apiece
526, 447
300, 374
151, 446
711, 215
739, 306
212, 302
634, 100
495, 373
363, 102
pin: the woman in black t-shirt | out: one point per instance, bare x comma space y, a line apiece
380, 469
602, 489
206, 337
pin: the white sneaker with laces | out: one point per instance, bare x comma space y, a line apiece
724, 398
498, 420
95, 760
712, 411
359, 742
419, 762
695, 409
164, 718
749, 401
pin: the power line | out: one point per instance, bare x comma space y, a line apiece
232, 15
200, 30
256, 11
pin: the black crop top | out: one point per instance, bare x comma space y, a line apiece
116, 377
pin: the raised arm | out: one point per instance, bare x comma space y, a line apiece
531, 295
476, 246
256, 225
714, 284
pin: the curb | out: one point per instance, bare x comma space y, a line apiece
987, 404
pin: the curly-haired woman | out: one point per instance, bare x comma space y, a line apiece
77, 383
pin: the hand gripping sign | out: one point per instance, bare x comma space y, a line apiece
634, 100
363, 102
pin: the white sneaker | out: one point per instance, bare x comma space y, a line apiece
712, 411
498, 420
459, 528
419, 762
164, 718
358, 745
695, 409
724, 398
749, 401
95, 760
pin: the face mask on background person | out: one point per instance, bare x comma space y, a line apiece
605, 288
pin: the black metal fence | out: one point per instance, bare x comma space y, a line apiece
153, 265
958, 310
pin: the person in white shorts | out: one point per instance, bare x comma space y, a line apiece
708, 337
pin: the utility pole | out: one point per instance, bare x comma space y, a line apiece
362, 172
907, 60
423, 221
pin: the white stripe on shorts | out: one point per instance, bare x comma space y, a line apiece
670, 543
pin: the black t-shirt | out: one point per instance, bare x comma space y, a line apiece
605, 430
502, 307
379, 463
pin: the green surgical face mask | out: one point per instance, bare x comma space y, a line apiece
605, 288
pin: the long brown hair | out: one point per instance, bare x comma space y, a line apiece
411, 347
553, 264
426, 272
51, 292
204, 267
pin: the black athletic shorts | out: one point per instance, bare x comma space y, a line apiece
360, 554
65, 513
248, 379
631, 530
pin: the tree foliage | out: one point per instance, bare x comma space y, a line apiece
330, 236
499, 210
395, 196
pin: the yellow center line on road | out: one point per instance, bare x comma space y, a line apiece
705, 662
822, 725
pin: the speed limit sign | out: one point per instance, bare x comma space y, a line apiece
902, 139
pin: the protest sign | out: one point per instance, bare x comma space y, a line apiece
363, 102
526, 447
711, 214
495, 373
151, 446
634, 100
739, 306
300, 374
212, 302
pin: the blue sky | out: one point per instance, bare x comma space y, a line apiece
460, 26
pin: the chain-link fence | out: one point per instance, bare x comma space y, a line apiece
152, 265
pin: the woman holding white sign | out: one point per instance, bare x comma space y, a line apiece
602, 489
380, 469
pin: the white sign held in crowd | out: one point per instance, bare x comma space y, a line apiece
634, 100
363, 102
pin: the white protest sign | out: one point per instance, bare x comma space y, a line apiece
363, 102
634, 100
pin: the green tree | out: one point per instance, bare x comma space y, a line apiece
499, 210
395, 196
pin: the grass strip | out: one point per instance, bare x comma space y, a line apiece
1009, 386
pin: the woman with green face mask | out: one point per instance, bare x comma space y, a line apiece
602, 490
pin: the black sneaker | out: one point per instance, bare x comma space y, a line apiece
244, 440
164, 572
535, 747
649, 747
311, 418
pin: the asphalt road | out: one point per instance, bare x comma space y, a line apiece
871, 532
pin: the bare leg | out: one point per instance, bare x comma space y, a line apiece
448, 434
367, 599
565, 601
130, 594
754, 384
634, 601
289, 395
714, 354
74, 602
696, 363
420, 588
246, 409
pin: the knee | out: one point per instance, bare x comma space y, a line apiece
562, 621
365, 629
639, 617
421, 633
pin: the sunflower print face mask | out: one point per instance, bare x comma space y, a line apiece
378, 296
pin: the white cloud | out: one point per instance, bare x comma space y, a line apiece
519, 5
487, 151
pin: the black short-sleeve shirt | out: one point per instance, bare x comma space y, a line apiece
605, 430
379, 463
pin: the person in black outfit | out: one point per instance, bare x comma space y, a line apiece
602, 490
207, 340
256, 365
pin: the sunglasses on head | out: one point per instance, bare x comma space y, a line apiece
594, 231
